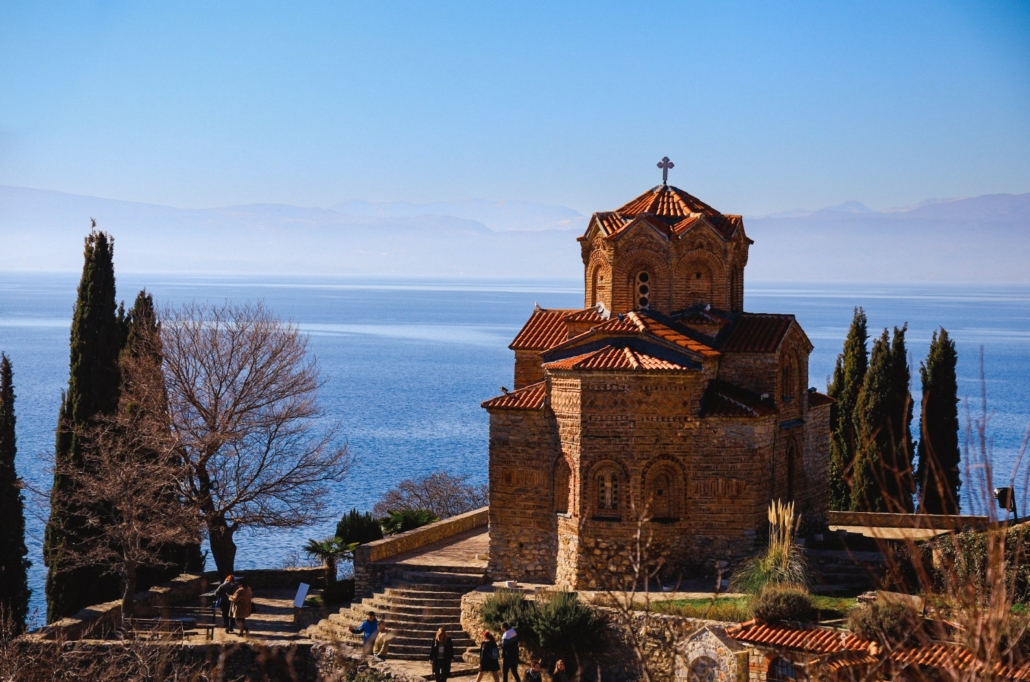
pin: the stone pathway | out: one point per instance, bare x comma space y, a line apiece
468, 550
272, 623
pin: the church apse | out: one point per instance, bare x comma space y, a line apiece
661, 405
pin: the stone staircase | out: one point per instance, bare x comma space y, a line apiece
413, 608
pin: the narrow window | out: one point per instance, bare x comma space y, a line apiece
643, 291
608, 493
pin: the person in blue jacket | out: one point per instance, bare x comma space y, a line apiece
369, 630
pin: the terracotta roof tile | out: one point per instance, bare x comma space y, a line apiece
544, 328
618, 358
664, 331
665, 200
526, 398
723, 399
609, 222
808, 638
585, 315
756, 333
817, 399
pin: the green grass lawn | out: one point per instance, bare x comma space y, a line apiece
738, 609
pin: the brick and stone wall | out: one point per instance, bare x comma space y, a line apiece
529, 368
523, 528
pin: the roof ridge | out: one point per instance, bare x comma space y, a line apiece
631, 357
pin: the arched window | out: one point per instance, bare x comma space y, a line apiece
562, 487
608, 492
699, 283
663, 490
643, 290
788, 381
703, 669
783, 670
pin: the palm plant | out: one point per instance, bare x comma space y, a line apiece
330, 551
407, 519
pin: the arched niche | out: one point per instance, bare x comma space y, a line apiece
700, 278
663, 490
608, 493
563, 486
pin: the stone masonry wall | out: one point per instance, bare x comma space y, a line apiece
639, 425
523, 531
529, 368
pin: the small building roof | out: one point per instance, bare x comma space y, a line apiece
530, 397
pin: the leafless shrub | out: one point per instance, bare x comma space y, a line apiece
441, 493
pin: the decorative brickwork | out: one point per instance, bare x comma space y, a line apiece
662, 414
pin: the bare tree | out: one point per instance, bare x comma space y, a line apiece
242, 403
125, 489
440, 493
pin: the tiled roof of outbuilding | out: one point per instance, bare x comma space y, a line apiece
616, 358
807, 638
526, 398
723, 399
756, 333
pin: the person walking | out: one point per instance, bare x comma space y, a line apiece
510, 649
559, 674
369, 630
441, 654
488, 658
242, 606
222, 594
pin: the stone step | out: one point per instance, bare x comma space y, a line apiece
429, 590
411, 600
434, 577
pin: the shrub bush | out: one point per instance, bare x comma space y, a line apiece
358, 527
783, 563
774, 604
407, 519
566, 627
889, 623
339, 592
962, 560
511, 607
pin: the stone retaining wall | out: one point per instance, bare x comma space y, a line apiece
99, 619
368, 576
275, 578
884, 520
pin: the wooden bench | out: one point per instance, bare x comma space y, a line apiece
158, 628
203, 618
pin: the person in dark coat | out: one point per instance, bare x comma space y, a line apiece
489, 658
441, 654
510, 649
535, 672
559, 674
222, 594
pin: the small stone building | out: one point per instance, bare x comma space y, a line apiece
660, 405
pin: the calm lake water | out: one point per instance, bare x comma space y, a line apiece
409, 362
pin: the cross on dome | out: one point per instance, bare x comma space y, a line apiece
665, 165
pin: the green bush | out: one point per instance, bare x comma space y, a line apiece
358, 527
565, 627
889, 623
775, 603
407, 519
725, 609
511, 607
340, 592
962, 560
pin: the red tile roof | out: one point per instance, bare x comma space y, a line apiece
663, 331
665, 200
585, 315
846, 649
723, 399
757, 333
613, 357
817, 399
543, 329
808, 638
526, 398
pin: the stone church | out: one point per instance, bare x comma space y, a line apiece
660, 405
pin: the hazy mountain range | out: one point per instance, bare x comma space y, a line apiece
982, 239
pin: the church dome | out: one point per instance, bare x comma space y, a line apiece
666, 201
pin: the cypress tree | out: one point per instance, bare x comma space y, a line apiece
897, 468
939, 454
848, 375
873, 438
97, 336
14, 585
143, 346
